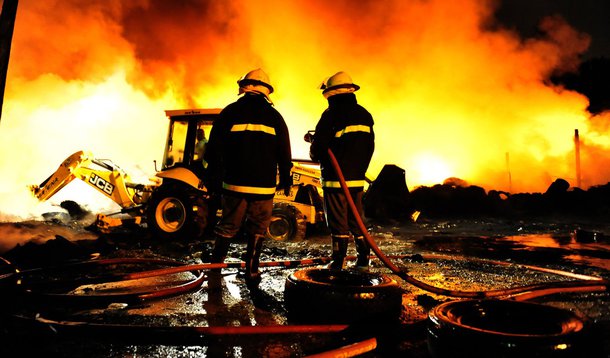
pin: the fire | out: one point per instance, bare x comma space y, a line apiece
429, 169
453, 92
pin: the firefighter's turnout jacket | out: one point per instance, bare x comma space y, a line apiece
347, 129
249, 143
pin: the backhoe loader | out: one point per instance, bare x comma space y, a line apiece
176, 204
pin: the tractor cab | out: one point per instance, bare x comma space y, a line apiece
178, 207
188, 132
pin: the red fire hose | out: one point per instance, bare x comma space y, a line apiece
583, 285
592, 283
350, 350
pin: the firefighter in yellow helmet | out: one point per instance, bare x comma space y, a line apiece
248, 149
255, 81
346, 128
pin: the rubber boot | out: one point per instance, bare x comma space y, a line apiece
219, 253
339, 252
253, 253
363, 251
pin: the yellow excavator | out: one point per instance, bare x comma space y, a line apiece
104, 176
175, 203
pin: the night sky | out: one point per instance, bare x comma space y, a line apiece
588, 16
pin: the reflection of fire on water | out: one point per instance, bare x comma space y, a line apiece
451, 90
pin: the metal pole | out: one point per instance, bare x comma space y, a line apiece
7, 24
577, 153
510, 179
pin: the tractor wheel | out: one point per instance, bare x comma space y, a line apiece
176, 212
503, 328
331, 296
287, 223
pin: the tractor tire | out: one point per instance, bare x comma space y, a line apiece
342, 296
176, 213
287, 223
503, 328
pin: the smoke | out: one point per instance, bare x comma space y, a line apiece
453, 92
37, 232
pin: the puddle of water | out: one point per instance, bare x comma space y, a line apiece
572, 251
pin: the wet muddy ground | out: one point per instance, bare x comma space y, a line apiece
66, 306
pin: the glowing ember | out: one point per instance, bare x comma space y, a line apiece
452, 92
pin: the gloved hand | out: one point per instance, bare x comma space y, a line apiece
285, 185
212, 181
308, 137
285, 189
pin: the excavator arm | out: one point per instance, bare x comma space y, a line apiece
104, 176
60, 178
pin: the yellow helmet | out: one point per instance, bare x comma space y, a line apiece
255, 77
338, 80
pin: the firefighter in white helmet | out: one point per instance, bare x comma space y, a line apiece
255, 81
249, 148
346, 128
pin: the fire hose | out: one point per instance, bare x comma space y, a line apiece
198, 335
186, 335
592, 284
178, 267
583, 283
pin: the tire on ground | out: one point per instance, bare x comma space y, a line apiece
502, 328
287, 223
176, 212
323, 295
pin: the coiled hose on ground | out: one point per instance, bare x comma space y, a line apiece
589, 284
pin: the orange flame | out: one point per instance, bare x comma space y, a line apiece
451, 90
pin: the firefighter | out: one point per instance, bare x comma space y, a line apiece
346, 128
248, 149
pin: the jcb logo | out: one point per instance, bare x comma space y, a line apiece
101, 184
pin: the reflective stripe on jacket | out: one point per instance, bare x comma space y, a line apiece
352, 129
253, 127
347, 129
249, 147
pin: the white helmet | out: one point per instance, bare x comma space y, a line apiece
255, 77
338, 80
